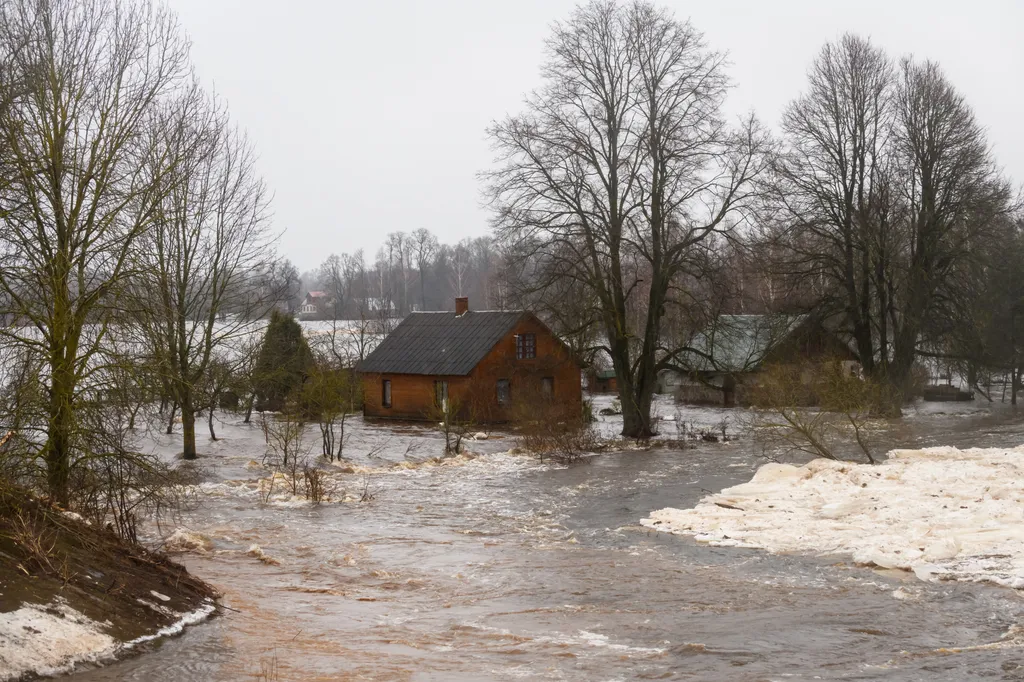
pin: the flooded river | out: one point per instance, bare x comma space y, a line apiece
503, 568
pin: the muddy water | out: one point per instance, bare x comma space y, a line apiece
501, 568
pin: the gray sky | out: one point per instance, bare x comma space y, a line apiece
369, 116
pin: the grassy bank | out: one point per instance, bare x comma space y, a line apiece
73, 593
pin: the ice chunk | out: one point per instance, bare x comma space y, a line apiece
936, 511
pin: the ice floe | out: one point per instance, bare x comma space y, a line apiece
943, 513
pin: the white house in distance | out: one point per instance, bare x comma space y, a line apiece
314, 305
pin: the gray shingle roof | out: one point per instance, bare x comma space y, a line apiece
739, 343
440, 343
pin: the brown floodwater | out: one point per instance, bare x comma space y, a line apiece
504, 568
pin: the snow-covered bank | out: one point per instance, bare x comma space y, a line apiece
941, 512
53, 639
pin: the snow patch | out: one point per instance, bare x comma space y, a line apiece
943, 513
49, 640
75, 516
52, 640
192, 618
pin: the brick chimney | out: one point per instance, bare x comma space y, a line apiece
461, 305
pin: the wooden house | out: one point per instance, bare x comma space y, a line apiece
725, 358
479, 364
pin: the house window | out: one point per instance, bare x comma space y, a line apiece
547, 387
441, 394
526, 346
504, 392
385, 398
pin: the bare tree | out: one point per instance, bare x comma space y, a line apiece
398, 252
460, 267
833, 185
211, 234
954, 193
889, 193
85, 181
620, 169
281, 283
424, 248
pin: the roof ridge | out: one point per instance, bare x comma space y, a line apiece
450, 312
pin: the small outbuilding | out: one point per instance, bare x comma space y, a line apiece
602, 381
479, 364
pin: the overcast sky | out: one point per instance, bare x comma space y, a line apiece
369, 116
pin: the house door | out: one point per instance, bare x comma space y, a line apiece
441, 395
729, 390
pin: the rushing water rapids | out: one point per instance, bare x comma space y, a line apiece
504, 568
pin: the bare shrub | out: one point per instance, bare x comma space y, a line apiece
455, 419
317, 483
284, 438
39, 545
327, 397
267, 491
816, 408
552, 430
366, 495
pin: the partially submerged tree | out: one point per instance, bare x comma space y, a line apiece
327, 397
834, 187
955, 196
620, 169
888, 192
210, 236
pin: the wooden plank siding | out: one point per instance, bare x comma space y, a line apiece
412, 395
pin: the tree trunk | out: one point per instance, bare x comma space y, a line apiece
209, 421
58, 444
636, 415
341, 436
188, 428
635, 398
902, 363
170, 421
248, 408
423, 288
135, 414
327, 438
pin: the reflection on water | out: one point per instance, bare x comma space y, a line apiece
502, 568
